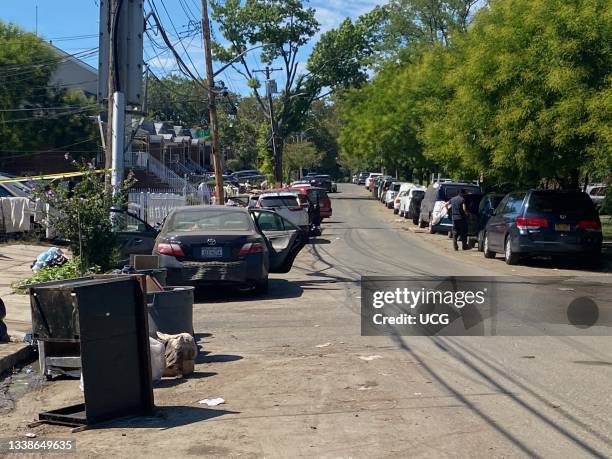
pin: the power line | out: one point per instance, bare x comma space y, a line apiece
55, 115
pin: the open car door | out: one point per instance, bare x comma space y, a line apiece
135, 236
283, 238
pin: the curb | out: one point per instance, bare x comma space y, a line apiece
23, 354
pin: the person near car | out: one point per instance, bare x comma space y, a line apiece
315, 218
459, 213
204, 192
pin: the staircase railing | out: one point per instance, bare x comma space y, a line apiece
165, 174
195, 167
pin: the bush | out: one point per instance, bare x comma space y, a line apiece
69, 270
81, 214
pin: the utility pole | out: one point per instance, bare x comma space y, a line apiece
108, 153
278, 164
212, 104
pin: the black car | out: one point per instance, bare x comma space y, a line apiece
487, 206
544, 222
322, 181
209, 245
414, 209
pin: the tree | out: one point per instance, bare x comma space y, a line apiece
33, 116
300, 156
281, 28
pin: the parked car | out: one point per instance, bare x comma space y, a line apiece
371, 176
315, 194
433, 207
287, 204
597, 194
362, 177
414, 208
240, 175
544, 222
322, 181
391, 193
200, 245
409, 194
383, 186
487, 206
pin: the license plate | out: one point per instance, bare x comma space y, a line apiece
562, 227
212, 252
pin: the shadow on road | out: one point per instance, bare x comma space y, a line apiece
319, 240
206, 357
173, 382
167, 417
278, 289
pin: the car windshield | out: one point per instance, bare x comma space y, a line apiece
193, 220
547, 202
418, 194
396, 186
279, 201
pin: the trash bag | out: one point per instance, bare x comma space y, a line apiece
49, 258
158, 359
181, 351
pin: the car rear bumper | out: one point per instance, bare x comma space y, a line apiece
213, 272
583, 246
326, 213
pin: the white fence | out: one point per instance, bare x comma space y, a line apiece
153, 207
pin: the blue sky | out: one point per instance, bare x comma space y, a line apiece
72, 25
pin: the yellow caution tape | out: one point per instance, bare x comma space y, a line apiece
47, 177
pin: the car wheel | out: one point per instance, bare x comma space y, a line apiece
421, 223
261, 286
487, 253
511, 257
480, 242
395, 211
415, 221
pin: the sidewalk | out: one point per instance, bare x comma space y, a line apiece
15, 261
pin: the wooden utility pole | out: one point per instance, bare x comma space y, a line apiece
212, 104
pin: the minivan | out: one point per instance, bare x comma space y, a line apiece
433, 213
544, 222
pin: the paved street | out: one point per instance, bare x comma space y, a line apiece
299, 380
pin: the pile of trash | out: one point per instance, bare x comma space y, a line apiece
172, 355
49, 258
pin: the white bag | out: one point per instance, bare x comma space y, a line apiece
158, 359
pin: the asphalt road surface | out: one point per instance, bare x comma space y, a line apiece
300, 380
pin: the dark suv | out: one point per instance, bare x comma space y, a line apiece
544, 222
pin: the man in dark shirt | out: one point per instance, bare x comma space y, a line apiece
459, 216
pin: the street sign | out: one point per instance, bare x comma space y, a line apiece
129, 39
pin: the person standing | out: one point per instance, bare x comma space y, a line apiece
459, 213
204, 192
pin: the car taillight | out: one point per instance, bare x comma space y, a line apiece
170, 248
249, 248
531, 223
397, 200
589, 225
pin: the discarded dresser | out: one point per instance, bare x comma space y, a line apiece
107, 317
